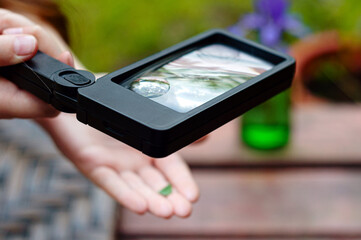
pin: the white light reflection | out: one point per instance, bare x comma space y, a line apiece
204, 74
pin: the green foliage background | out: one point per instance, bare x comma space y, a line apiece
110, 34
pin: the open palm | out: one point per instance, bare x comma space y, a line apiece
131, 178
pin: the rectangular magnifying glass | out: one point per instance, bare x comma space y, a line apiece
167, 101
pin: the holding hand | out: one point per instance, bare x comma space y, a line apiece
19, 42
131, 178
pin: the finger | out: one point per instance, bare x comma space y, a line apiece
100, 154
157, 182
66, 58
157, 204
111, 182
182, 207
17, 48
17, 103
46, 40
178, 173
10, 19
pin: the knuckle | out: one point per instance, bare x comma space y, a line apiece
37, 30
5, 18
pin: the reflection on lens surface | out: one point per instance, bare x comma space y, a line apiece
199, 76
150, 87
222, 56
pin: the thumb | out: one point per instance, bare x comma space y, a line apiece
16, 48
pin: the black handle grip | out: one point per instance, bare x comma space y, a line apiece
49, 79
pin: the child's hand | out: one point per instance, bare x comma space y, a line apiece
130, 177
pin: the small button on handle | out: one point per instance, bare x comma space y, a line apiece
75, 78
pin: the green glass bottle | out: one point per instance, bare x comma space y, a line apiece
267, 126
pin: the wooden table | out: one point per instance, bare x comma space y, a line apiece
311, 189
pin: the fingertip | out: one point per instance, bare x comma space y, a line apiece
71, 61
182, 207
141, 208
184, 211
135, 203
184, 214
192, 196
166, 213
190, 192
67, 58
140, 212
163, 209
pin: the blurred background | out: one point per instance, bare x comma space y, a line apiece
306, 188
110, 34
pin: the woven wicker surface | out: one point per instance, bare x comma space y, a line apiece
42, 196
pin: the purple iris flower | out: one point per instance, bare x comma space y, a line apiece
271, 20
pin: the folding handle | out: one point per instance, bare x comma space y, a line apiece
49, 79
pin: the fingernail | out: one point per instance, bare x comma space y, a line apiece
24, 45
10, 31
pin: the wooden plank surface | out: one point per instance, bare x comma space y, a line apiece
262, 203
251, 195
322, 134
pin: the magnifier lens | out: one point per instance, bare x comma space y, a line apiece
199, 76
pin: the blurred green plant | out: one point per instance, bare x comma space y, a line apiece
110, 34
343, 15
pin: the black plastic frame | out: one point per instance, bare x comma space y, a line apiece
146, 125
157, 130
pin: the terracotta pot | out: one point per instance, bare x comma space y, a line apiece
311, 51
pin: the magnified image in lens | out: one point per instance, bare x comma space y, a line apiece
198, 77
150, 87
